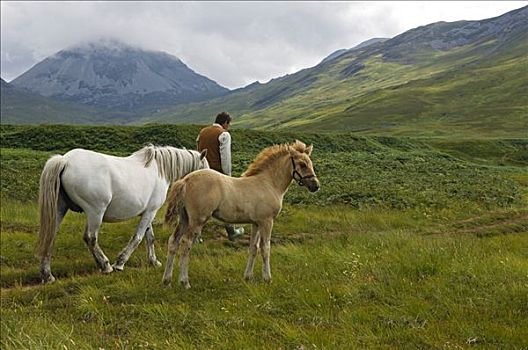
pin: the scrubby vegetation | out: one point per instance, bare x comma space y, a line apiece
381, 172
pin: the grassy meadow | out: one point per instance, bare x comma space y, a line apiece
410, 243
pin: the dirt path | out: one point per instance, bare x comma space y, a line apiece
489, 224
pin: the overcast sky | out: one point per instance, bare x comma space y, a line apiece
233, 43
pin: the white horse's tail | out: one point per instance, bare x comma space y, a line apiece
48, 200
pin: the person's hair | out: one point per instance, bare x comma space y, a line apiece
223, 117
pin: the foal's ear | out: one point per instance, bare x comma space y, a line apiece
309, 149
203, 154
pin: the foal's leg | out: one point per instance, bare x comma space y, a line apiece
45, 262
186, 244
174, 242
265, 237
93, 224
253, 247
151, 252
144, 223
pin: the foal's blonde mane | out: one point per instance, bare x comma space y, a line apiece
173, 163
270, 154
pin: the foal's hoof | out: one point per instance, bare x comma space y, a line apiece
167, 284
48, 279
185, 284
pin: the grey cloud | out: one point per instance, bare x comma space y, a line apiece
233, 43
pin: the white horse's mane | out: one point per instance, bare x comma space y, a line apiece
173, 163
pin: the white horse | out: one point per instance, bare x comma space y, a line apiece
109, 189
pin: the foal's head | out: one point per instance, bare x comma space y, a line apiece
302, 167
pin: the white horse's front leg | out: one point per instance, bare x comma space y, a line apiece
123, 257
151, 251
265, 248
253, 248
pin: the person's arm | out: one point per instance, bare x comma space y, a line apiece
225, 152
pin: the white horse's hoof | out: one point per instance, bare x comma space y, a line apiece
117, 267
108, 269
185, 284
248, 277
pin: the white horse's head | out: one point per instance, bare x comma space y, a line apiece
203, 159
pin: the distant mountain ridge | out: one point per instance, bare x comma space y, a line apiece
115, 76
361, 45
442, 36
466, 77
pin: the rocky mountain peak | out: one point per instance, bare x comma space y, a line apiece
114, 75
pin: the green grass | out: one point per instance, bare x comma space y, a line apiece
411, 243
341, 279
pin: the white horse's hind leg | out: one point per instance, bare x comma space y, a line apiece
253, 248
151, 251
93, 224
45, 262
144, 223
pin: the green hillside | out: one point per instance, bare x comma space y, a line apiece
20, 107
401, 86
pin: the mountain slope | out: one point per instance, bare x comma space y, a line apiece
444, 78
117, 77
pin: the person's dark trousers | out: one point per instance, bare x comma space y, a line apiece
232, 232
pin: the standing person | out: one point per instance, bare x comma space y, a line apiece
217, 140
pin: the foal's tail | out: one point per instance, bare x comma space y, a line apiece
48, 199
175, 206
